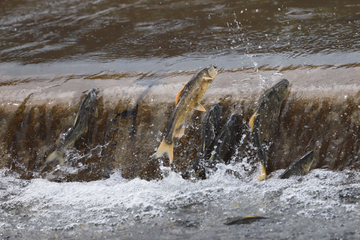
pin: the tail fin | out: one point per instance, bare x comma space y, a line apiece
168, 148
54, 156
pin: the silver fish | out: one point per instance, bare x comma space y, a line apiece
225, 141
80, 126
263, 120
210, 130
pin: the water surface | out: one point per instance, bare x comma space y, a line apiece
79, 36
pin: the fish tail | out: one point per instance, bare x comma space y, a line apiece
166, 148
54, 156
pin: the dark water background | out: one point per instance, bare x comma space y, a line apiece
77, 36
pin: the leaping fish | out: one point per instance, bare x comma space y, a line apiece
225, 142
80, 126
186, 101
266, 113
299, 167
210, 129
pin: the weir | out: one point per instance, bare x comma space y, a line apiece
321, 113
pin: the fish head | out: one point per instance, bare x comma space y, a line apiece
90, 97
92, 91
282, 89
232, 122
211, 72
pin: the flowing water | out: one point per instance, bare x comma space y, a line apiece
51, 49
52, 37
321, 205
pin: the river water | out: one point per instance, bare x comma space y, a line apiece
45, 39
53, 37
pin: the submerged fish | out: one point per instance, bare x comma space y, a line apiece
225, 141
263, 121
244, 220
186, 101
80, 126
300, 167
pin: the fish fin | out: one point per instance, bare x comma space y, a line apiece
262, 173
204, 147
166, 148
252, 121
254, 217
96, 114
199, 107
211, 157
306, 167
76, 119
180, 132
55, 155
208, 78
177, 98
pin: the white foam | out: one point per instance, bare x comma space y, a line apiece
127, 201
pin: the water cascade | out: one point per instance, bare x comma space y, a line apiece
134, 109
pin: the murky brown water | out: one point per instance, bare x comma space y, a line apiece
77, 36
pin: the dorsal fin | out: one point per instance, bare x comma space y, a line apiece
251, 216
178, 95
252, 121
180, 132
306, 167
76, 118
96, 113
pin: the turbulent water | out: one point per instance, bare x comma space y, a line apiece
321, 205
43, 41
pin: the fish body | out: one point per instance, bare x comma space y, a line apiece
187, 100
219, 142
264, 121
244, 220
299, 167
209, 131
80, 126
225, 141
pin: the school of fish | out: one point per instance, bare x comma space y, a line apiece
218, 141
